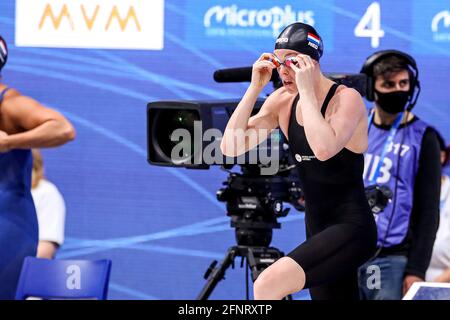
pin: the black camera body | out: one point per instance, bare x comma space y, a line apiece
255, 202
195, 118
378, 197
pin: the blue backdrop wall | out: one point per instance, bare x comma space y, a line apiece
163, 226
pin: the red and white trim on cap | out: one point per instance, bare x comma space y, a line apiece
3, 51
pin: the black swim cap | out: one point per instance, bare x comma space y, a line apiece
3, 53
301, 37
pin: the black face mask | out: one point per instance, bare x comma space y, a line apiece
392, 102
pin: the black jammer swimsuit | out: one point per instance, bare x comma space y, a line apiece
340, 229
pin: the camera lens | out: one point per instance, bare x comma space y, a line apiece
165, 137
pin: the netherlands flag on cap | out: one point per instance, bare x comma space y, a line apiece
314, 39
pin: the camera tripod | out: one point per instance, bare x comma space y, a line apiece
257, 259
253, 203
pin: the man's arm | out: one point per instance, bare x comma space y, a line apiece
425, 212
33, 125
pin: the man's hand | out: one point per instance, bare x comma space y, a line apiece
409, 280
3, 146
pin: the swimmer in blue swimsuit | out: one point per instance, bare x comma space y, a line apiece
24, 124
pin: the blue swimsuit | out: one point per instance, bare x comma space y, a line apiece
18, 221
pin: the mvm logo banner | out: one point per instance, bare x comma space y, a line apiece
108, 24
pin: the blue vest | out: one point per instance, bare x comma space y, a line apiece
18, 221
409, 152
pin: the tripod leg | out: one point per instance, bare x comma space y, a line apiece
217, 274
259, 258
247, 294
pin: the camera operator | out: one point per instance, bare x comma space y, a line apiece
403, 154
326, 126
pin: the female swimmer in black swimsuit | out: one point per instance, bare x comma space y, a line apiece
326, 126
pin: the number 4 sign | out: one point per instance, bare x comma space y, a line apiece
370, 25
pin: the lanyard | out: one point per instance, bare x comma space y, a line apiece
388, 142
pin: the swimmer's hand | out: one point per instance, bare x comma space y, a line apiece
262, 70
3, 145
304, 72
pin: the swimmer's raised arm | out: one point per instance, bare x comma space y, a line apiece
244, 132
